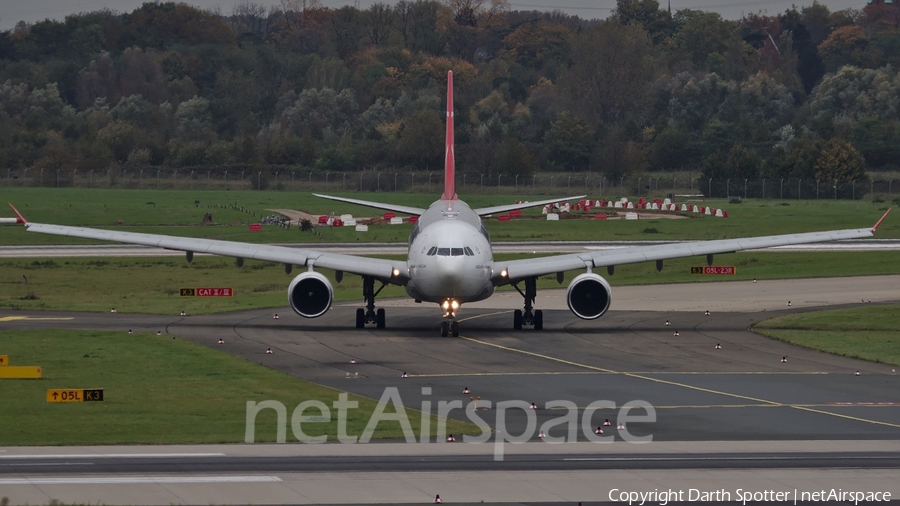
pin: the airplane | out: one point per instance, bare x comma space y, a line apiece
450, 262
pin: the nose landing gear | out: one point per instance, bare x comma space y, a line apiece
528, 317
449, 328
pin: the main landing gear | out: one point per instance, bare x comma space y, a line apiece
369, 314
449, 328
527, 317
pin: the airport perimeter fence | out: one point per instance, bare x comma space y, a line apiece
592, 184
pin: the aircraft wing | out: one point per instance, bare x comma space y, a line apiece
524, 205
393, 271
514, 270
415, 211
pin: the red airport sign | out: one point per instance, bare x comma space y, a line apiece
728, 270
207, 292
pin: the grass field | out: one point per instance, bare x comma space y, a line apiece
158, 390
869, 332
151, 285
174, 212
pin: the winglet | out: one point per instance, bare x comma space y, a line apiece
21, 219
873, 228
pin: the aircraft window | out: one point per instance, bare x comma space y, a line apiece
457, 252
432, 251
444, 252
484, 232
469, 252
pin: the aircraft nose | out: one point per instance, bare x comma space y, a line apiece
450, 271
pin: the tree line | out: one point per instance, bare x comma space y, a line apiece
807, 94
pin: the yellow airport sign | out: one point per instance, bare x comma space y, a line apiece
20, 372
4, 360
728, 270
75, 395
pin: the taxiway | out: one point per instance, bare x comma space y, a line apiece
809, 422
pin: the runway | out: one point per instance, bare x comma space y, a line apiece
718, 411
548, 247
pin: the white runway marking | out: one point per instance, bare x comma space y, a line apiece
114, 456
135, 480
44, 464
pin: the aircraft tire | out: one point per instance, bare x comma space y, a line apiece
445, 328
454, 329
517, 319
360, 318
379, 318
538, 320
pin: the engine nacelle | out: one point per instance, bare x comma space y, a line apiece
310, 294
588, 296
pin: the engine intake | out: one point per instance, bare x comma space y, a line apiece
588, 296
310, 294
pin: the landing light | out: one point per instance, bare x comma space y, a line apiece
396, 272
503, 273
454, 304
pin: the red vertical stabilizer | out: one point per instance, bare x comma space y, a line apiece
449, 163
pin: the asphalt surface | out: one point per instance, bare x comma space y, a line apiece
388, 463
742, 391
812, 412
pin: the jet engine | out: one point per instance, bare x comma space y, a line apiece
310, 294
588, 296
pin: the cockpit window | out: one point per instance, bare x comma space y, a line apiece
451, 252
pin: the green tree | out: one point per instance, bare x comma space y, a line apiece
569, 143
878, 141
809, 63
611, 71
345, 30
845, 46
854, 93
840, 162
672, 149
646, 13
620, 156
376, 23
417, 24
193, 120
794, 157
513, 158
162, 25
701, 34
422, 140
120, 138
536, 43
323, 110
741, 163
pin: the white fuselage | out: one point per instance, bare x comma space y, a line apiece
450, 256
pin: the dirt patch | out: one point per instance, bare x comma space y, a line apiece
294, 216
